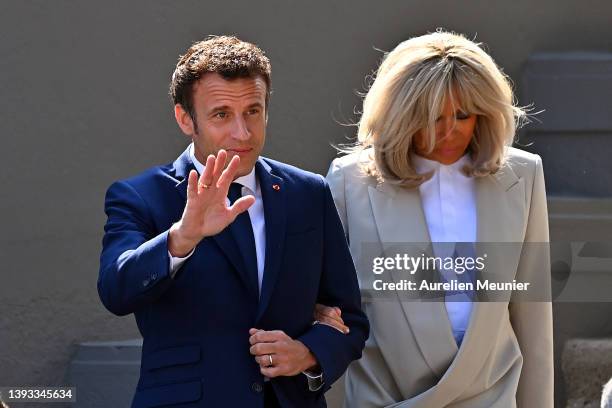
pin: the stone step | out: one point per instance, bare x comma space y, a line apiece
105, 374
587, 367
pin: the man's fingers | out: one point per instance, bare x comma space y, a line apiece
219, 165
192, 184
264, 360
271, 372
227, 175
263, 348
206, 178
263, 336
241, 205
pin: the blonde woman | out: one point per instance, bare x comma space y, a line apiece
434, 164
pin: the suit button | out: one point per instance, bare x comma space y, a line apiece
256, 387
145, 282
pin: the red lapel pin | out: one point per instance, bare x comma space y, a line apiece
276, 187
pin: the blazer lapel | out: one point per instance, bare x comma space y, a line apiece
274, 202
399, 215
500, 201
400, 222
500, 194
224, 240
182, 166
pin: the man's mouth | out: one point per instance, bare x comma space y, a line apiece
241, 151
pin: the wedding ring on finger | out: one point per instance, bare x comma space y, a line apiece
204, 186
270, 358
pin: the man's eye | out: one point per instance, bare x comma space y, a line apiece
221, 115
253, 111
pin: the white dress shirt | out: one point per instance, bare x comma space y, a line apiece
449, 204
250, 185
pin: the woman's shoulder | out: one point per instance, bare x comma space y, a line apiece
523, 163
349, 171
352, 163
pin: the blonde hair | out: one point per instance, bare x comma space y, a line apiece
408, 95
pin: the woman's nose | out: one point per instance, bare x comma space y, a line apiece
444, 128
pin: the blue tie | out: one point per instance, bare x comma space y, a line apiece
242, 231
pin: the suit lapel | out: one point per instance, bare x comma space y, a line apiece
182, 166
400, 219
274, 202
224, 240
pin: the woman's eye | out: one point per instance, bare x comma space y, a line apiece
462, 115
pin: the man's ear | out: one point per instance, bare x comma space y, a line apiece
183, 119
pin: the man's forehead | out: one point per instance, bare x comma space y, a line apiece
214, 85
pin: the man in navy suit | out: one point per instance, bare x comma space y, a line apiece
223, 255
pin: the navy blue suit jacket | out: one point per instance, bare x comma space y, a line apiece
195, 325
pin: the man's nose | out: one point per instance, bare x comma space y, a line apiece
240, 130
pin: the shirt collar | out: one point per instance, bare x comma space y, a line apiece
249, 180
423, 165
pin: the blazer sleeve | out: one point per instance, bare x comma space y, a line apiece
338, 287
134, 264
532, 320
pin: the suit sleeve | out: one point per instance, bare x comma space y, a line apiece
134, 262
338, 287
532, 321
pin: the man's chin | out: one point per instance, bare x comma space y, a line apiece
247, 162
245, 168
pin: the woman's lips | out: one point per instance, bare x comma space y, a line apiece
447, 151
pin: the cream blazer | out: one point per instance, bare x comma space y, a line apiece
411, 359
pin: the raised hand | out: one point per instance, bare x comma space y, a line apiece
206, 211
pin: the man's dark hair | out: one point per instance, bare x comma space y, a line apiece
227, 56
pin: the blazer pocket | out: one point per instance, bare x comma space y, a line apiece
172, 357
168, 394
